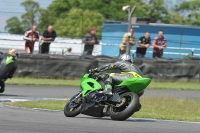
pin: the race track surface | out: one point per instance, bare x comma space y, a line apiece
16, 120
68, 92
28, 121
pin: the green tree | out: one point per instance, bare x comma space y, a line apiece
14, 26
191, 11
31, 17
78, 22
112, 9
56, 10
157, 11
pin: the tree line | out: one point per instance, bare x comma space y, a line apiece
73, 18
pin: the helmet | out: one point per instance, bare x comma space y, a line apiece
13, 52
126, 57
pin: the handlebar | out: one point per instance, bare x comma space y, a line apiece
95, 75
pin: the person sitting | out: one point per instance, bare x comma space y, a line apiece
69, 51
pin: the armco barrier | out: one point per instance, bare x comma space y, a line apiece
170, 69
57, 66
53, 66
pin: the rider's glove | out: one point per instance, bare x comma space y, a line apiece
94, 70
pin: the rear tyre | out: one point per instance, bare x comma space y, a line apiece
129, 105
73, 107
141, 93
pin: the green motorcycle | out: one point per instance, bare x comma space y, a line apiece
91, 101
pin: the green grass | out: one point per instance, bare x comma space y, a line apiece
174, 85
43, 82
75, 82
158, 107
170, 108
40, 104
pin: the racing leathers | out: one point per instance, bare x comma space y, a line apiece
8, 66
127, 69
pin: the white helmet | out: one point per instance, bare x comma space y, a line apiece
126, 57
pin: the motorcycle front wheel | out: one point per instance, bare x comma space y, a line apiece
129, 104
73, 106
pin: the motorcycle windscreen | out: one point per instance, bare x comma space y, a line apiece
136, 85
89, 85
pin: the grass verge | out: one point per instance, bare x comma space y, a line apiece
170, 108
76, 82
161, 107
40, 104
43, 82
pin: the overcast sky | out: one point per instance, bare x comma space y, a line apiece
14, 5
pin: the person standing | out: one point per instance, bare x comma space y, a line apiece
159, 43
144, 43
90, 40
31, 36
131, 37
48, 36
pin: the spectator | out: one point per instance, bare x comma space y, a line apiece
159, 43
144, 43
31, 36
69, 51
48, 36
124, 41
90, 40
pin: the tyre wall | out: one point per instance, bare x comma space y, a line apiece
55, 66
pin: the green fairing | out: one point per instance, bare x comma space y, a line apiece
136, 85
89, 85
9, 60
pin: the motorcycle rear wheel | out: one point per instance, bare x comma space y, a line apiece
74, 111
130, 104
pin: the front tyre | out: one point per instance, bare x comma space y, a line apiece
73, 106
129, 104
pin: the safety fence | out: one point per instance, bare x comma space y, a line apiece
60, 45
73, 66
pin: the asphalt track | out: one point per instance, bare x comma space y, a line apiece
13, 91
15, 120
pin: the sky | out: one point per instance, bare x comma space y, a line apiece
14, 5
10, 8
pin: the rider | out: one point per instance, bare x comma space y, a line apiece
125, 66
8, 66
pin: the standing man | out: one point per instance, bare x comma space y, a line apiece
90, 40
31, 36
144, 43
124, 41
48, 36
159, 43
